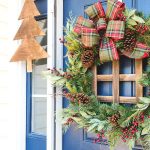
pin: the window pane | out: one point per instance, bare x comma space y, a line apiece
39, 87
38, 82
39, 115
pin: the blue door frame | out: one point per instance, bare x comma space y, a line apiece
34, 141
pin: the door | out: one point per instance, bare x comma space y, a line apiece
79, 139
37, 92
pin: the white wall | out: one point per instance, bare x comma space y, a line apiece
12, 81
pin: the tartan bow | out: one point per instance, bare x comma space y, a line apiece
109, 24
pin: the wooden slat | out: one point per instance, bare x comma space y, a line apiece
122, 99
138, 71
127, 77
122, 77
105, 98
115, 87
104, 77
94, 70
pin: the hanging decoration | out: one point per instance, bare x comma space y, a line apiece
29, 49
90, 42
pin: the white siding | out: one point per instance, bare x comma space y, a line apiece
12, 81
3, 74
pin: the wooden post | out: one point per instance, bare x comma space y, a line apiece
94, 70
29, 65
115, 87
138, 72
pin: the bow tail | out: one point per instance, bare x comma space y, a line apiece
140, 51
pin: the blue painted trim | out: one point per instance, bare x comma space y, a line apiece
28, 102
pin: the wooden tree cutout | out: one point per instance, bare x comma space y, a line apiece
29, 49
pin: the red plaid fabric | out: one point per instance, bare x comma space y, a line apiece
95, 11
101, 24
90, 37
82, 22
114, 7
140, 51
108, 50
115, 29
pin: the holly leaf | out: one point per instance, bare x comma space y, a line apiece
138, 19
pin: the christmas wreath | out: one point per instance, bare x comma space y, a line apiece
102, 38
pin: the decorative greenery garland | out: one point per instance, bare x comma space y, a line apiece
113, 121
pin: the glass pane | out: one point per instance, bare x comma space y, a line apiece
39, 115
38, 82
39, 87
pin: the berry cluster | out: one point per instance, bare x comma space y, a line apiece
100, 136
142, 118
61, 40
121, 17
141, 28
114, 119
80, 97
129, 132
70, 96
56, 72
69, 121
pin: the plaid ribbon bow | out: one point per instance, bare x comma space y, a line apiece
98, 22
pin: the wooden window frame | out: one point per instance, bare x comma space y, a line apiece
115, 78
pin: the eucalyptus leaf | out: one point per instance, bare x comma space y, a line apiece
92, 127
85, 115
131, 22
145, 100
146, 130
100, 127
131, 13
138, 19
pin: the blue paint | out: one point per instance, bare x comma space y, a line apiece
78, 139
34, 141
42, 6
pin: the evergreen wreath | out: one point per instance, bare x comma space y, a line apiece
119, 31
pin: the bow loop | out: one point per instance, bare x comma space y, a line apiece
114, 7
95, 11
108, 51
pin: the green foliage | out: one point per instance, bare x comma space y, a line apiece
95, 116
132, 18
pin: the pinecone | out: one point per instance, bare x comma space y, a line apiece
129, 40
82, 98
142, 28
87, 58
114, 119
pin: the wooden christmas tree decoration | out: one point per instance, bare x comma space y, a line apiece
29, 49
